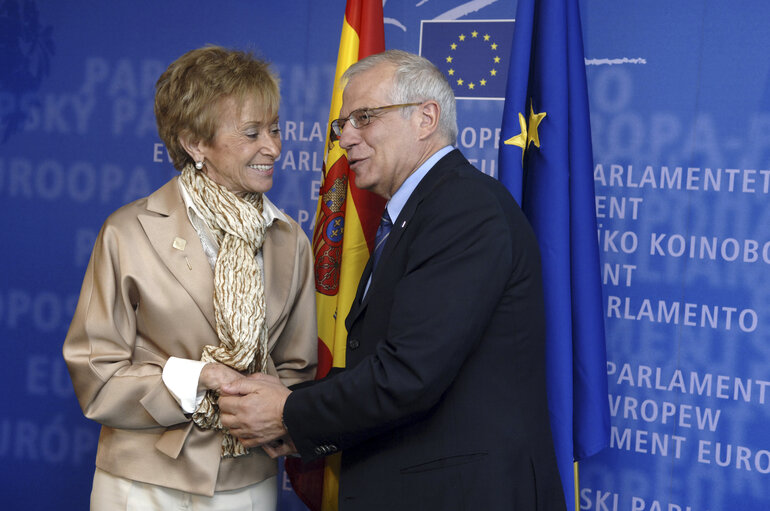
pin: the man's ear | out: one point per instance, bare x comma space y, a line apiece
192, 146
429, 113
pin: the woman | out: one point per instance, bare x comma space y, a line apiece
200, 282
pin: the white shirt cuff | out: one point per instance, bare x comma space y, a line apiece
181, 378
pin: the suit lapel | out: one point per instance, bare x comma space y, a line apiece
359, 301
426, 185
178, 246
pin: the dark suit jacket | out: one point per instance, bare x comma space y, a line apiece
442, 404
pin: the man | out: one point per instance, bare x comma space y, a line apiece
442, 404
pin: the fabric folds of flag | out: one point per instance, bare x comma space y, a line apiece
343, 238
546, 162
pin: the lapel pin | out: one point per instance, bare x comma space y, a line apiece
179, 243
403, 224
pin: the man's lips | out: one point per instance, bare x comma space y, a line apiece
352, 162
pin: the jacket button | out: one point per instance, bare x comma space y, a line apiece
353, 344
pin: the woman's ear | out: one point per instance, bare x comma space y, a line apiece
192, 146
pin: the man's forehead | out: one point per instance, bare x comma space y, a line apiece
366, 90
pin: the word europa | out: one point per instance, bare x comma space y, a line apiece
679, 178
79, 181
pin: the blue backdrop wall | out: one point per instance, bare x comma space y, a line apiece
680, 112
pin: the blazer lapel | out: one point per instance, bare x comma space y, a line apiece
177, 244
279, 253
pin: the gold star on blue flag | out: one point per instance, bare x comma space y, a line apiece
473, 55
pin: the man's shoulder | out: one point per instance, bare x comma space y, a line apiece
458, 177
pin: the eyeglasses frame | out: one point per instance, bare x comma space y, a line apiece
336, 126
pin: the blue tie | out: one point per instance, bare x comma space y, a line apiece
382, 234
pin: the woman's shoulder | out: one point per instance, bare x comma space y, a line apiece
282, 221
159, 202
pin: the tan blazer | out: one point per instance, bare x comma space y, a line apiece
145, 298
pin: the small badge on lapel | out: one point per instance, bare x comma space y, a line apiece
179, 244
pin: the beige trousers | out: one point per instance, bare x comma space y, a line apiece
113, 493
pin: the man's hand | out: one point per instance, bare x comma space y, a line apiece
252, 409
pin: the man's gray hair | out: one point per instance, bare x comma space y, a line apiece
416, 79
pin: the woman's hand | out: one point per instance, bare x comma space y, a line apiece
215, 375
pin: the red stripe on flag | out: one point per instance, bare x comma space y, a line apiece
366, 18
324, 359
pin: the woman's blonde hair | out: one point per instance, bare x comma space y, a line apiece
187, 93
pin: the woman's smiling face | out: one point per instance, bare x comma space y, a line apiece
244, 149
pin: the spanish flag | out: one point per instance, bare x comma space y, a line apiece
343, 238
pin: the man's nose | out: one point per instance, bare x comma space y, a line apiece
349, 136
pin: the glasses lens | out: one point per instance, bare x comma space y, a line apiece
336, 129
360, 118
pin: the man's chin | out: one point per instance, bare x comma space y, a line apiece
360, 181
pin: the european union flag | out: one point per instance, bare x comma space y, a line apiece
546, 162
472, 54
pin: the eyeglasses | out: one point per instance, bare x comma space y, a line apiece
360, 118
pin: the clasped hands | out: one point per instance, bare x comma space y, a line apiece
251, 408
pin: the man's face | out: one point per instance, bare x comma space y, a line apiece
382, 153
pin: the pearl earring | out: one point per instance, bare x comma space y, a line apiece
199, 165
